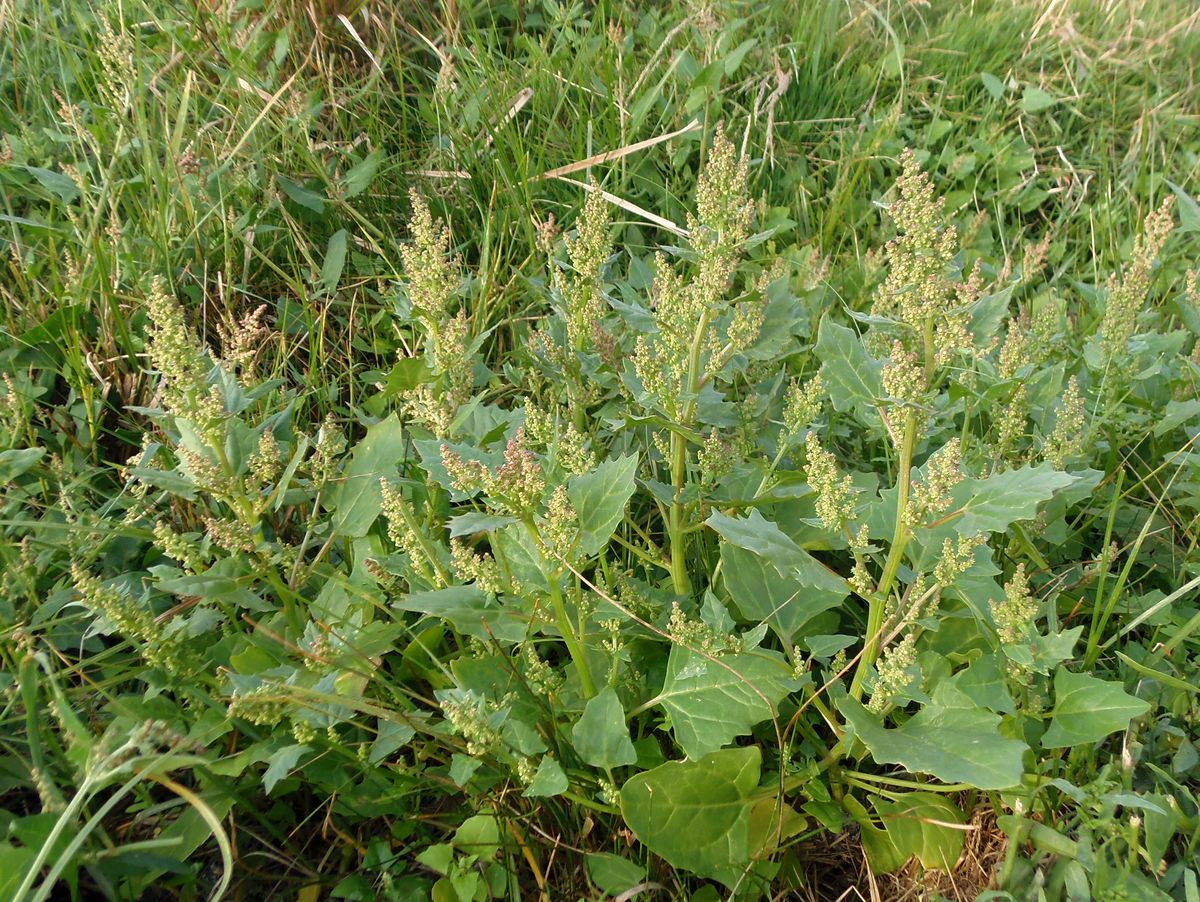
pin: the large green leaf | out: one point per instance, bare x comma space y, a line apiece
600, 735
599, 499
359, 496
469, 610
1087, 709
853, 377
924, 825
697, 814
758, 534
711, 702
994, 503
785, 601
16, 461
949, 739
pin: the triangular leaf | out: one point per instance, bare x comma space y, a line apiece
945, 739
1087, 709
599, 499
600, 735
712, 702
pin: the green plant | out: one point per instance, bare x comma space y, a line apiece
719, 549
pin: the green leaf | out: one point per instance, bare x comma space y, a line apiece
882, 854
280, 764
298, 194
613, 874
469, 610
734, 60
949, 739
359, 498
391, 735
784, 602
1189, 210
1034, 100
479, 835
697, 814
437, 857
983, 683
16, 461
758, 534
923, 825
548, 781
1087, 709
853, 377
599, 499
711, 702
994, 86
14, 860
600, 735
335, 261
56, 183
477, 521
359, 177
994, 503
1176, 413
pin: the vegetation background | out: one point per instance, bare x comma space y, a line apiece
259, 156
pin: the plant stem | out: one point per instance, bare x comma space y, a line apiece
574, 646
675, 524
878, 601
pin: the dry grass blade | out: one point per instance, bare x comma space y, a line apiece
609, 155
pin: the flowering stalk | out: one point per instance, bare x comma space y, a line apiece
900, 536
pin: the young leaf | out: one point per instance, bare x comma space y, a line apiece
1087, 709
599, 499
550, 780
696, 814
600, 735
711, 702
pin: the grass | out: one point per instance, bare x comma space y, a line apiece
262, 153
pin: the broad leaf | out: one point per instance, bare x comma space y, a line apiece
784, 602
550, 780
924, 825
600, 735
599, 499
16, 461
697, 814
359, 498
469, 610
280, 764
949, 739
994, 503
853, 377
477, 521
712, 702
758, 534
1087, 709
613, 874
335, 261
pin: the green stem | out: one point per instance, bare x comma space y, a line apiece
574, 646
675, 527
878, 602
